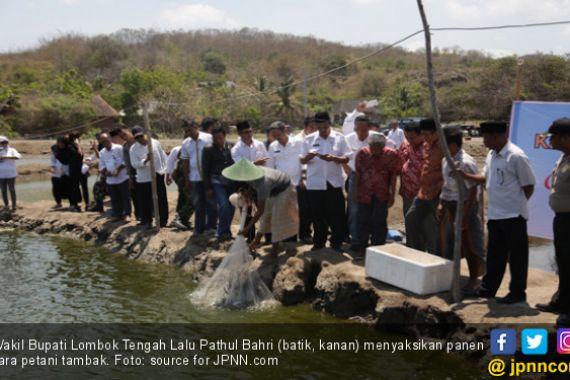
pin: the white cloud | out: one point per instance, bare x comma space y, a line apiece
367, 2
541, 10
69, 2
196, 16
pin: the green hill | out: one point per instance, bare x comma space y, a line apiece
221, 73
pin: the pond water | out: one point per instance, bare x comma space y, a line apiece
51, 279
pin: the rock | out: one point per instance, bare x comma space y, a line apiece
290, 283
418, 319
343, 291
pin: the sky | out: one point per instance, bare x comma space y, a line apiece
24, 23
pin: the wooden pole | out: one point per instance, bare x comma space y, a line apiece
455, 291
518, 86
152, 168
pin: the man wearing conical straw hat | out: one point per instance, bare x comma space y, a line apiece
275, 199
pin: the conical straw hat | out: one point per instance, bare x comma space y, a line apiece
243, 171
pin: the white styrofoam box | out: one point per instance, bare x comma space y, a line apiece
409, 269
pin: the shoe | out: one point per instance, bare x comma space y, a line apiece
178, 225
477, 293
563, 320
317, 247
210, 232
548, 308
95, 209
337, 249
225, 237
306, 240
355, 248
510, 299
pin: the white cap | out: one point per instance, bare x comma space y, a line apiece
3, 139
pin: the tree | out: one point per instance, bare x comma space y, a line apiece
287, 106
213, 62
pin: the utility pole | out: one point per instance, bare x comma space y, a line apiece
152, 168
455, 290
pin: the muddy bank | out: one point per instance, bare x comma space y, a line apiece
332, 282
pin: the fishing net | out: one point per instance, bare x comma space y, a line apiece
235, 284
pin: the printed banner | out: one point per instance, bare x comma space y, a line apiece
529, 120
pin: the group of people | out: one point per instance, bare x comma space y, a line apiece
322, 185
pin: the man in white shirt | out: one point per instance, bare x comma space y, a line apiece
356, 141
324, 152
396, 135
247, 147
140, 162
8, 171
305, 219
510, 183
112, 166
348, 123
284, 156
205, 215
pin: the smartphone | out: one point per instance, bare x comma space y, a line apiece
372, 103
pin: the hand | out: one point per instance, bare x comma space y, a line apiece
146, 160
255, 243
131, 183
261, 161
210, 194
116, 172
311, 155
168, 180
327, 157
439, 212
302, 184
361, 106
93, 145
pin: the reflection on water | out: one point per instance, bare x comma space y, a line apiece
46, 279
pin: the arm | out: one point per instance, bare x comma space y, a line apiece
392, 198
528, 191
138, 160
258, 213
206, 165
186, 172
477, 178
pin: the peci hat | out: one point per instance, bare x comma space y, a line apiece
493, 127
277, 125
243, 171
322, 117
3, 139
452, 130
427, 125
137, 131
241, 125
558, 127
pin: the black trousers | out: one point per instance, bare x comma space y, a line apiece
561, 227
57, 189
84, 188
327, 208
304, 213
507, 242
74, 194
144, 199
372, 222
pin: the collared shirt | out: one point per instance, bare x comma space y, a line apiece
286, 158
59, 169
466, 163
506, 173
348, 123
252, 152
172, 159
8, 166
412, 158
271, 182
138, 155
375, 174
356, 144
431, 179
559, 199
214, 161
397, 137
319, 172
111, 159
192, 150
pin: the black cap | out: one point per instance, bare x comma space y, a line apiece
427, 125
137, 131
560, 127
241, 125
322, 117
493, 127
308, 120
412, 127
